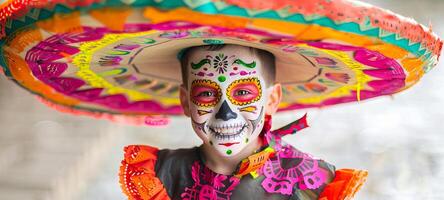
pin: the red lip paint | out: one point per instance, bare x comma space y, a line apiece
228, 144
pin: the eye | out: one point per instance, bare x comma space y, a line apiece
242, 92
206, 94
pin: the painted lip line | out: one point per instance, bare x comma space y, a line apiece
228, 144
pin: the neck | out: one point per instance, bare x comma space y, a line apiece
227, 165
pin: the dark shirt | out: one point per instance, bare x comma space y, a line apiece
175, 170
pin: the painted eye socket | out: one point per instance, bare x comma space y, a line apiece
205, 93
244, 91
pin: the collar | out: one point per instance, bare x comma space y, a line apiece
252, 163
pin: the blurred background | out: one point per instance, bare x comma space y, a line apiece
45, 154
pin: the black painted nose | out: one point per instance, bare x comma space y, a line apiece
225, 113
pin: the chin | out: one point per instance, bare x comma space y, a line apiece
228, 152
230, 148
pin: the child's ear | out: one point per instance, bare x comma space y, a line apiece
184, 100
274, 99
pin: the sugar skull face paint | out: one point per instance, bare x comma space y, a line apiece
227, 110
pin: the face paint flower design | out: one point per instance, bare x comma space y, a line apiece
220, 63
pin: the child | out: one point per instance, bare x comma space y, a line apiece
239, 158
115, 60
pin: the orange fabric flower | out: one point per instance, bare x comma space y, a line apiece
137, 176
345, 184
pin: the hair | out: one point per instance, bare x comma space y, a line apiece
267, 59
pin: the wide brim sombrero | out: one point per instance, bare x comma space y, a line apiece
121, 58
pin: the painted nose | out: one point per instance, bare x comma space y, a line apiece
225, 113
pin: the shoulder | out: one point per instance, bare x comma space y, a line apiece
172, 164
137, 175
178, 156
295, 173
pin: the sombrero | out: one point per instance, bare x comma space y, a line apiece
121, 57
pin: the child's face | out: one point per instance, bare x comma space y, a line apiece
227, 97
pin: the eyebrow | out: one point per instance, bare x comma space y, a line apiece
243, 63
200, 63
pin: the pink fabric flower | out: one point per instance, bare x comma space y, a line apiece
209, 185
303, 171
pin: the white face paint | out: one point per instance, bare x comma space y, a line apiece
227, 97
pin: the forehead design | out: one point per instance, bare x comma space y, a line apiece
230, 61
229, 49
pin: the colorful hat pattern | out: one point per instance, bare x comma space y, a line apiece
118, 59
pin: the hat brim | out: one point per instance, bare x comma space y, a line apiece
124, 60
